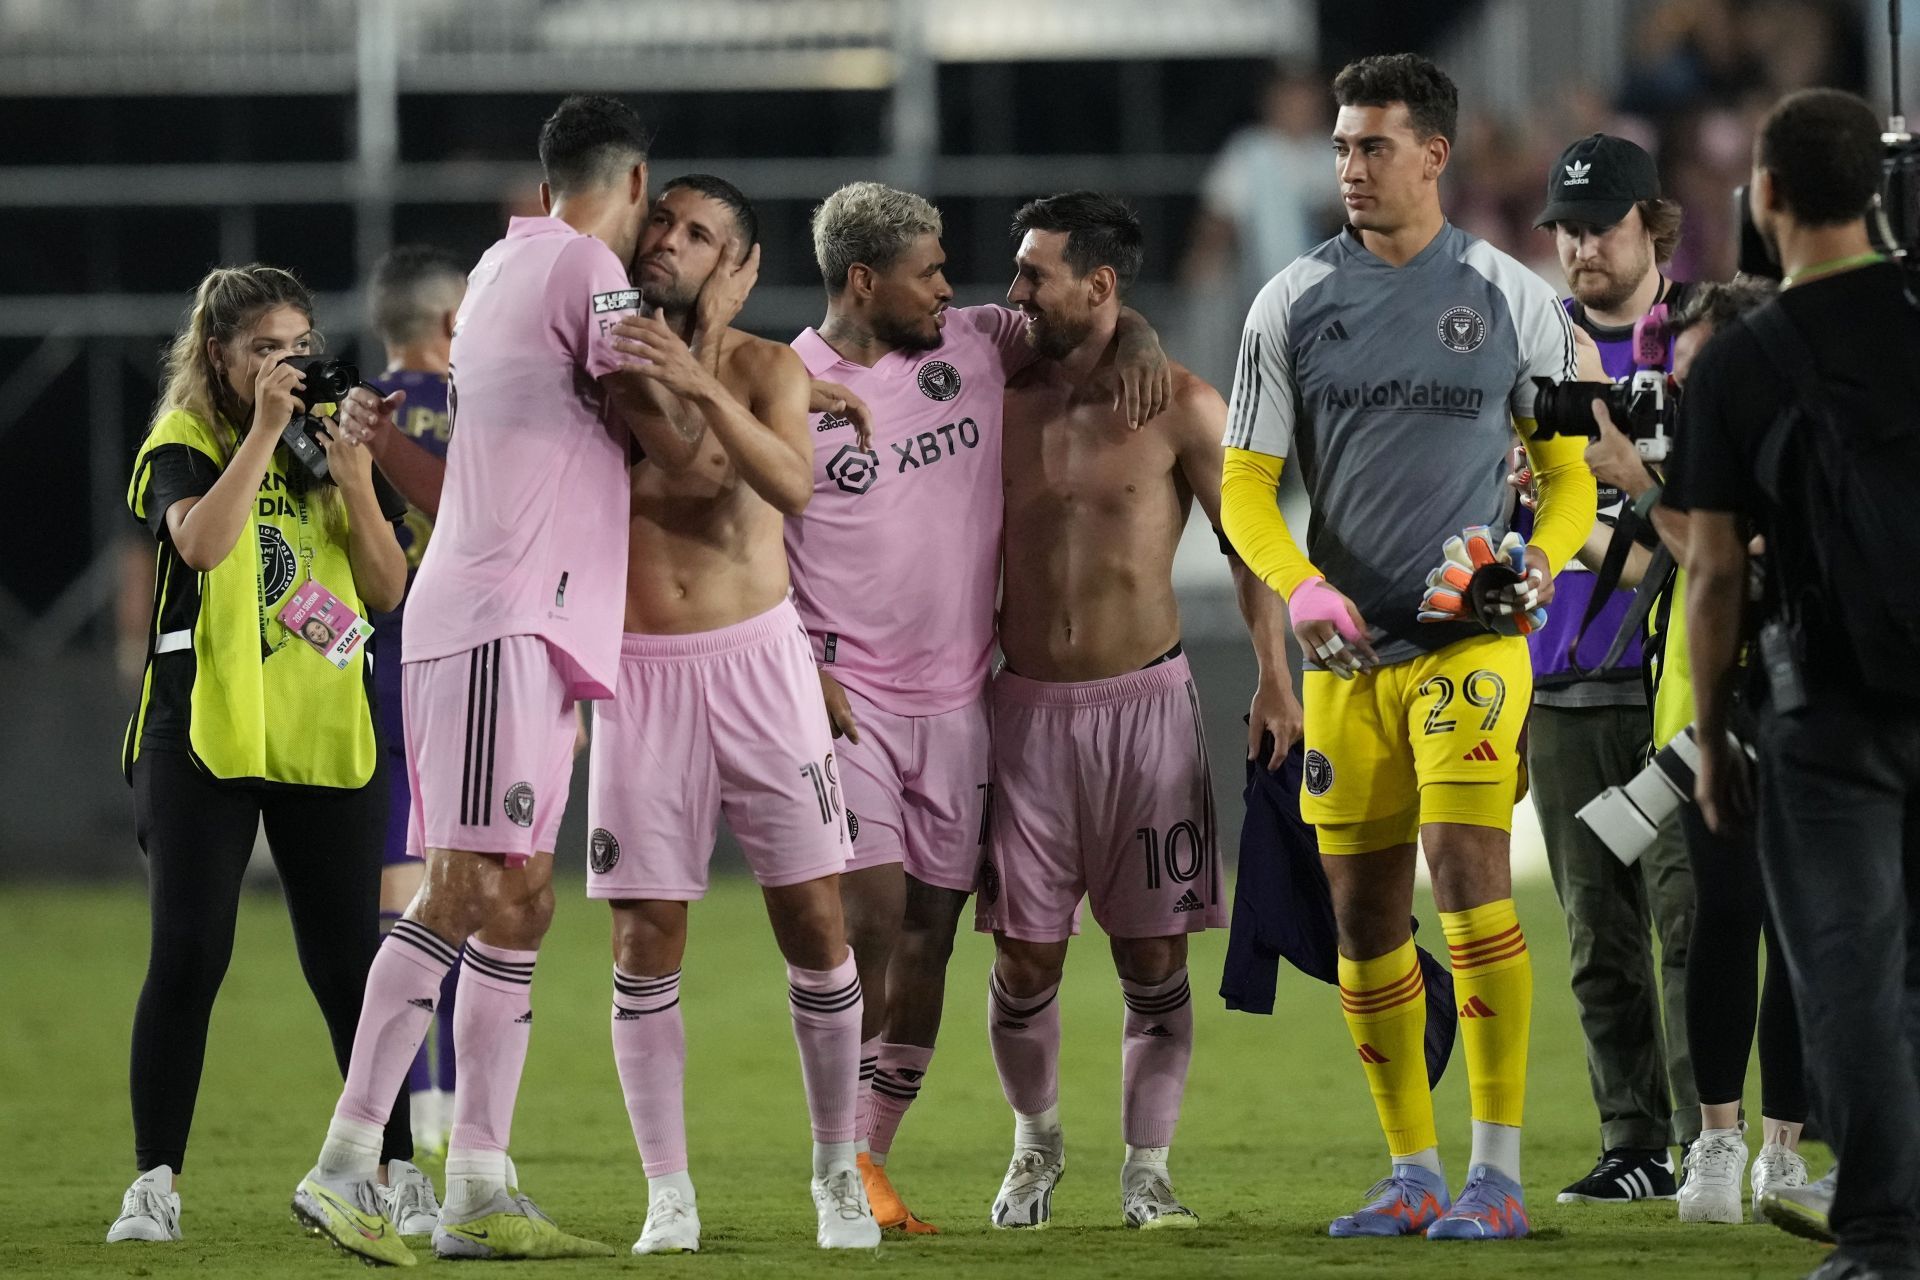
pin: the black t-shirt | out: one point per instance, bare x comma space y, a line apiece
1862, 332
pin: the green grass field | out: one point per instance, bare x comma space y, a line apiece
1278, 1134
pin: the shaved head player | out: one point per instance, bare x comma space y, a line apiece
896, 563
719, 711
1100, 778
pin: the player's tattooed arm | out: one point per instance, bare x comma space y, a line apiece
1195, 424
1146, 375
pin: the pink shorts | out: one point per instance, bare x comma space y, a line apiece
728, 721
1100, 789
917, 791
489, 737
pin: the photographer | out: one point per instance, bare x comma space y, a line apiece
244, 717
1587, 732
1726, 1001
1810, 396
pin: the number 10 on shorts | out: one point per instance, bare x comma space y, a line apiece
1181, 854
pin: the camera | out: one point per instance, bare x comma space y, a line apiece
328, 380
1628, 819
1642, 404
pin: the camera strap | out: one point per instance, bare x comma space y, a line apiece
1606, 582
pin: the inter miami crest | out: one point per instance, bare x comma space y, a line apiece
853, 825
1462, 329
939, 380
853, 469
519, 804
603, 851
1319, 773
276, 563
989, 883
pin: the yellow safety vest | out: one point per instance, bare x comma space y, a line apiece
265, 704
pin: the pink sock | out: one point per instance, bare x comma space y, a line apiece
650, 1050
492, 1022
826, 1025
1025, 1034
395, 1013
895, 1086
863, 1099
1154, 1051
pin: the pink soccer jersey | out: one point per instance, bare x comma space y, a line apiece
531, 538
896, 561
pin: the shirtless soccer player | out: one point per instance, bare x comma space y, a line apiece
1099, 764
896, 565
718, 711
514, 616
1397, 359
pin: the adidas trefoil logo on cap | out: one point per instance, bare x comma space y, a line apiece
1577, 173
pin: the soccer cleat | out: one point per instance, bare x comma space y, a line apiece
889, 1210
408, 1199
1715, 1162
1405, 1202
150, 1210
350, 1215
846, 1220
1490, 1207
1624, 1174
1026, 1193
1146, 1200
1775, 1168
509, 1225
673, 1225
1803, 1210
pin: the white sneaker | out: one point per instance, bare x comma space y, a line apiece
409, 1200
1776, 1168
846, 1220
673, 1225
150, 1210
1146, 1200
1715, 1163
1026, 1193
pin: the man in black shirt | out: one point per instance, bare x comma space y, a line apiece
1839, 782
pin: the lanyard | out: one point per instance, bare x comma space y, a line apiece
1833, 266
305, 540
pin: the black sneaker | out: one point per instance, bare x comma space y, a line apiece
1623, 1174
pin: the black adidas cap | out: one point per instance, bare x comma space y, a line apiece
1596, 180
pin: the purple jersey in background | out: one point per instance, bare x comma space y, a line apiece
422, 419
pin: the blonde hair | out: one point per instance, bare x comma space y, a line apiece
870, 223
228, 302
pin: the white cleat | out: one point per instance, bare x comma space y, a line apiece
846, 1220
673, 1225
1715, 1163
150, 1210
1026, 1193
1776, 1168
409, 1200
1147, 1202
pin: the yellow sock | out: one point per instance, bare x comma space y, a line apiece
1493, 985
1385, 1001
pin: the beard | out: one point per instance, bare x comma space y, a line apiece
674, 297
1604, 290
907, 335
1054, 337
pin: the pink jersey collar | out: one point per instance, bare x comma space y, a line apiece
518, 228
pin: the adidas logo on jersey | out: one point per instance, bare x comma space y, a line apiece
1475, 1007
1577, 173
1483, 753
1335, 332
1369, 1054
1189, 901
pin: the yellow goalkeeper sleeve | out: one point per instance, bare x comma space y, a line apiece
1250, 514
1564, 515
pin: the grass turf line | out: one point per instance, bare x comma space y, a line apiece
1278, 1134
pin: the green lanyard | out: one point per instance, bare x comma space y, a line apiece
304, 537
1833, 267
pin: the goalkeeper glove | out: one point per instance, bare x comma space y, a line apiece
1479, 582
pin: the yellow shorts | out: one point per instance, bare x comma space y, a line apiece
1433, 739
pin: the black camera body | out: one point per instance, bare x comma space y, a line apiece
1642, 405
328, 380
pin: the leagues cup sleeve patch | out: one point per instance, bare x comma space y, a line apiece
519, 804
1462, 329
1319, 772
939, 380
618, 300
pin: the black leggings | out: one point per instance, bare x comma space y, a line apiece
1730, 915
198, 835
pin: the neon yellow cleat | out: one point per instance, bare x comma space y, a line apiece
510, 1225
349, 1215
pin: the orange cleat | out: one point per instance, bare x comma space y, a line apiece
889, 1210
